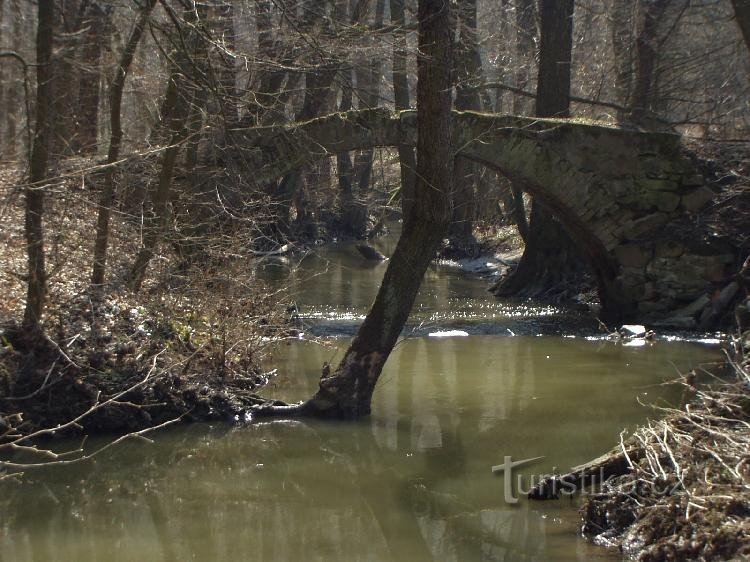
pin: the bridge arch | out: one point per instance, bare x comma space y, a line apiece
614, 190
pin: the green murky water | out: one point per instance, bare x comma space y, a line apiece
411, 482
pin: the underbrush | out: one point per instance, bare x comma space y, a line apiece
189, 345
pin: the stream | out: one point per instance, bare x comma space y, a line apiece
413, 481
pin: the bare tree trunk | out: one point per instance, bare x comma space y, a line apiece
116, 88
621, 30
408, 163
86, 124
469, 73
227, 83
347, 393
264, 98
551, 259
556, 48
180, 118
525, 49
525, 12
353, 213
318, 84
318, 91
67, 76
34, 192
6, 84
503, 63
641, 101
368, 87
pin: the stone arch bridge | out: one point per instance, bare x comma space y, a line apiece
616, 191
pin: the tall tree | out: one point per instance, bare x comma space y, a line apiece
318, 81
406, 157
353, 211
34, 190
550, 257
468, 75
353, 217
621, 30
226, 87
68, 40
556, 48
181, 103
505, 56
5, 86
96, 25
525, 48
650, 14
367, 72
347, 392
116, 88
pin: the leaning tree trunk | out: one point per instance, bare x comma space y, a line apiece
116, 88
347, 393
34, 191
551, 260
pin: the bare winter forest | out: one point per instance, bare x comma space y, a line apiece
170, 169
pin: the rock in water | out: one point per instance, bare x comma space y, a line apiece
370, 253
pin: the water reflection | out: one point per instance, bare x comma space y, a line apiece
413, 482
